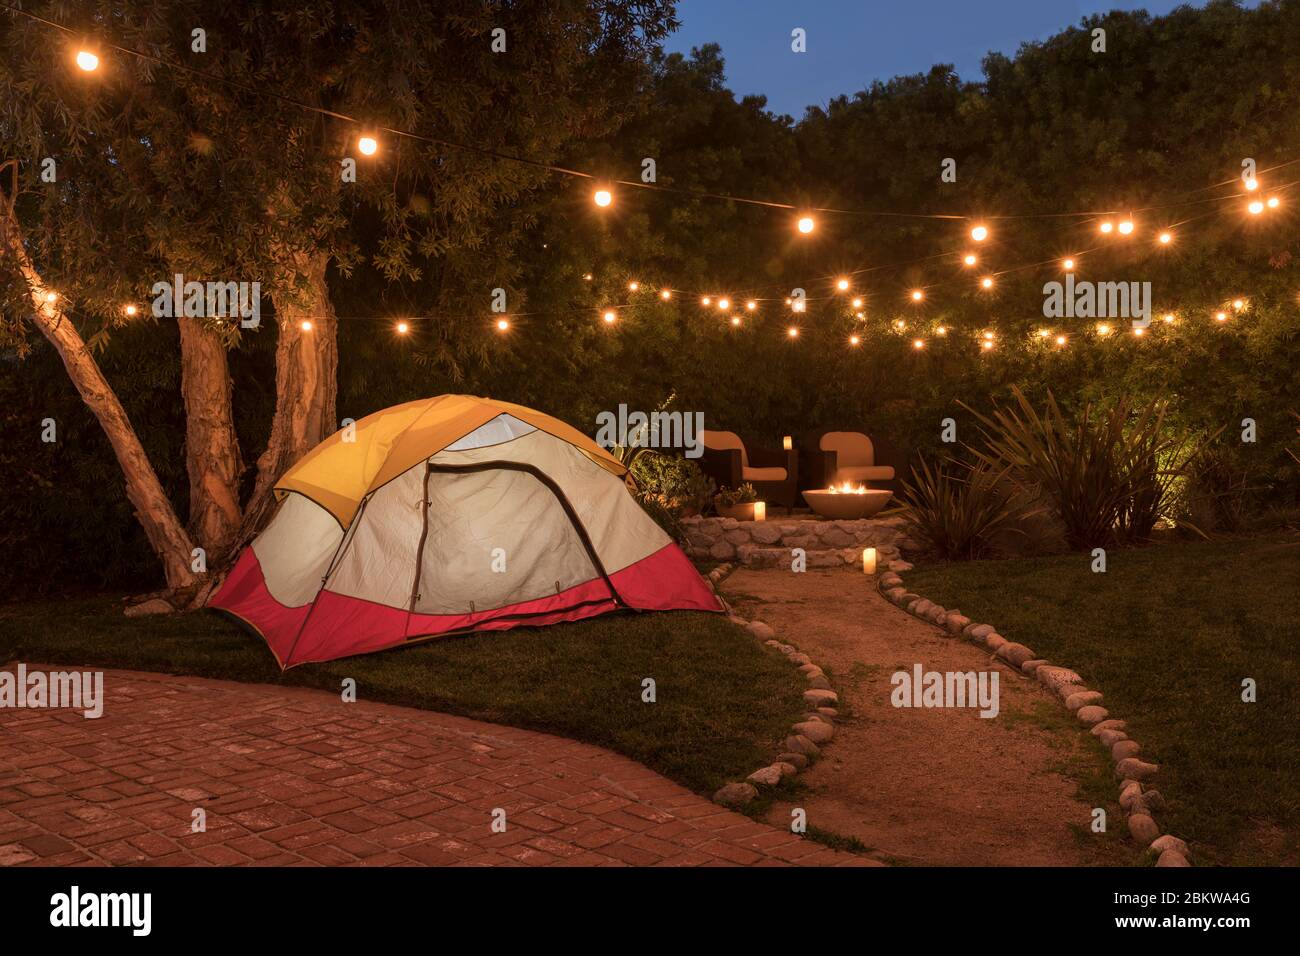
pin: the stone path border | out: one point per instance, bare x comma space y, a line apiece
807, 736
1139, 801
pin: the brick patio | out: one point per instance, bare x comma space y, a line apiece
289, 776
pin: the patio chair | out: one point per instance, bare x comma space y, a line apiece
774, 473
837, 457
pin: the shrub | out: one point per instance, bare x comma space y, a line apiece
956, 511
737, 496
670, 488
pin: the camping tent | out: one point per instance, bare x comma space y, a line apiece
447, 515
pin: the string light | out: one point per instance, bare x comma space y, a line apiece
633, 286
856, 303
751, 305
665, 294
798, 306
1139, 331
1166, 238
87, 61
130, 310
1061, 340
792, 331
988, 336
706, 301
979, 233
917, 295
1126, 227
724, 304
1068, 265
842, 285
1221, 316
1169, 318
503, 325
1106, 227
368, 145
969, 259
986, 344
1251, 184
1238, 304
986, 282
900, 324
941, 330
306, 325
51, 297
735, 320
806, 224
1044, 333
854, 340
602, 197
1103, 329
610, 317
918, 343
402, 328
1256, 207
1273, 202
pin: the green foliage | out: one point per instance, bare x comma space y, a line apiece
675, 482
957, 509
743, 495
1109, 473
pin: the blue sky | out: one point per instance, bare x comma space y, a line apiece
852, 42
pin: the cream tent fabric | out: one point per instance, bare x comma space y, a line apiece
447, 515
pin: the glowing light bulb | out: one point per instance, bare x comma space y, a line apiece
792, 332
854, 340
503, 325
87, 61
1251, 184
610, 317
1068, 265
735, 320
986, 344
1169, 318
856, 303
1106, 227
706, 301
917, 295
665, 294
602, 197
1103, 328
306, 325
51, 297
1166, 238
1061, 340
842, 285
724, 304
969, 259
130, 310
1238, 304
986, 282
798, 306
979, 233
806, 224
1139, 331
1126, 227
1044, 333
368, 145
633, 286
918, 343
941, 330
1273, 202
1256, 207
403, 328
751, 305
586, 277
900, 324
1221, 316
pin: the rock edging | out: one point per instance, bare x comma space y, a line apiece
1137, 798
807, 736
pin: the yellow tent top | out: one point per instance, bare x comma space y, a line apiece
338, 475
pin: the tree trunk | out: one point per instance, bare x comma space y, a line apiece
306, 380
152, 508
212, 456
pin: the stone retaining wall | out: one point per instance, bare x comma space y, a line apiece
768, 543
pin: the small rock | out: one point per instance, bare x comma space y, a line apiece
821, 698
1169, 842
787, 769
1028, 667
767, 776
151, 606
1142, 827
1109, 738
1136, 769
1053, 677
760, 630
1015, 654
890, 580
772, 642
1129, 794
895, 595
1172, 858
818, 682
800, 744
819, 732
828, 712
1111, 724
907, 598
798, 658
1081, 699
798, 761
735, 794
900, 566
810, 669
1154, 800
995, 641
977, 631
954, 622
1092, 713
1124, 748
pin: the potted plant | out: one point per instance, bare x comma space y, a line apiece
736, 503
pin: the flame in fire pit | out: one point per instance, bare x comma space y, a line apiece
848, 489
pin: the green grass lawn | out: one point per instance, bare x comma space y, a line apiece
1167, 634
724, 702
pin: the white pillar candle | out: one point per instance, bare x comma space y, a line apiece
787, 442
760, 510
868, 560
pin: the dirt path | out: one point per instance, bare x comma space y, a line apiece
938, 786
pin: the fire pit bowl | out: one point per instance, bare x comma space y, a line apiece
847, 502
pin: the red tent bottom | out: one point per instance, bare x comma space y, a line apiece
335, 625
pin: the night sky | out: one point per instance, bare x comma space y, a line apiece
852, 42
